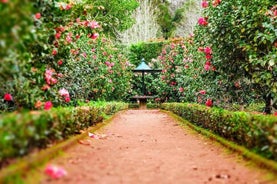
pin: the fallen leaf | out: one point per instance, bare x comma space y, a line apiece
84, 142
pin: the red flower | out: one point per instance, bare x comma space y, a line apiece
204, 4
58, 35
275, 114
48, 105
60, 62
54, 52
37, 15
208, 56
4, 1
94, 36
208, 50
67, 99
202, 21
8, 97
209, 103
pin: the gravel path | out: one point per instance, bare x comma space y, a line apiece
148, 146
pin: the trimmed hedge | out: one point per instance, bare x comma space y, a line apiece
21, 133
256, 132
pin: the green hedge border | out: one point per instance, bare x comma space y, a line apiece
18, 170
257, 159
255, 132
20, 133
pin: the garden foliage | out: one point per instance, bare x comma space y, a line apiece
254, 131
20, 133
62, 52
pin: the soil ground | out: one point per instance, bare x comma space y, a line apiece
148, 146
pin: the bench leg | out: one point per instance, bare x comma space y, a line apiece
142, 103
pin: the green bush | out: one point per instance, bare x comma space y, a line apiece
21, 133
256, 132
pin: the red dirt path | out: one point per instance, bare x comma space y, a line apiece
148, 146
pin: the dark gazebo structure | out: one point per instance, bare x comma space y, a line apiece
144, 68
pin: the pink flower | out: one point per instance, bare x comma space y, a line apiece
48, 105
63, 92
209, 103
54, 171
4, 1
68, 38
68, 7
202, 21
181, 90
93, 24
208, 50
48, 77
204, 4
37, 15
202, 92
8, 97
207, 67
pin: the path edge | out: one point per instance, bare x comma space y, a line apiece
20, 168
244, 152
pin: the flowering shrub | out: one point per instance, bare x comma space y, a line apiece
61, 45
242, 35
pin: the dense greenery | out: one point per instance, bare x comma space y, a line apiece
256, 132
242, 35
61, 52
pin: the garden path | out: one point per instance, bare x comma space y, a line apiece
148, 146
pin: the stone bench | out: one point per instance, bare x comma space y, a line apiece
142, 100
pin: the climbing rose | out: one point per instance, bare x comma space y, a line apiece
209, 103
202, 21
8, 97
37, 15
48, 105
204, 4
